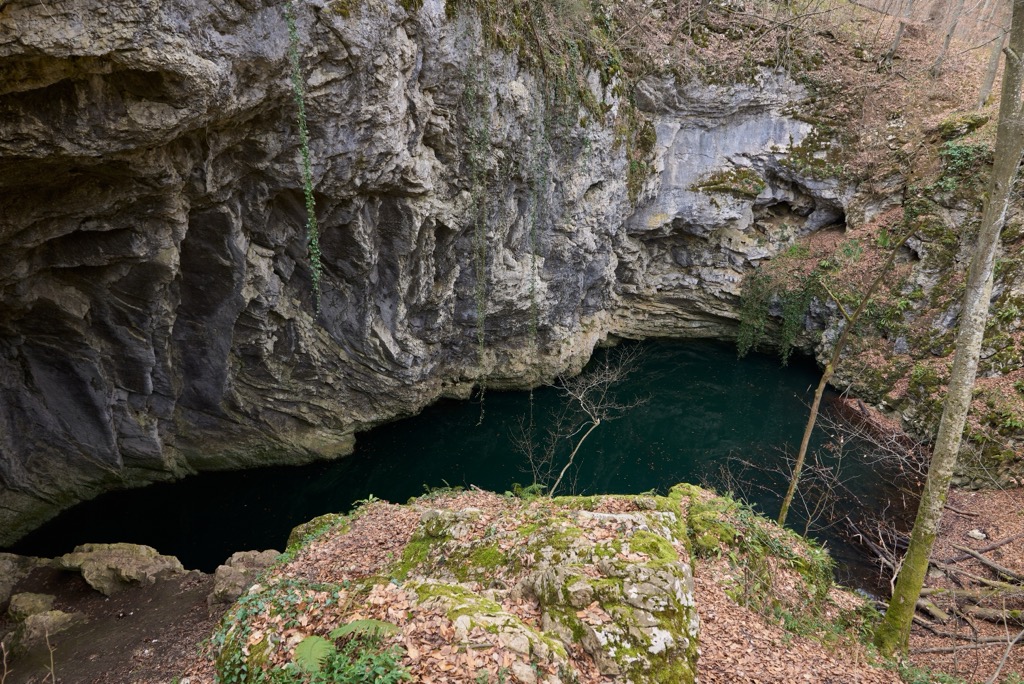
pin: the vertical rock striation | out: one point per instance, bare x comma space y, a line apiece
155, 309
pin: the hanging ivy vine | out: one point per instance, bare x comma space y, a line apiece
754, 302
537, 179
790, 294
476, 103
298, 89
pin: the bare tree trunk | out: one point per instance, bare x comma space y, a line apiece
572, 456
894, 631
990, 71
907, 12
830, 368
983, 23
983, 16
937, 66
801, 456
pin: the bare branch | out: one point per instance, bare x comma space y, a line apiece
1006, 654
588, 401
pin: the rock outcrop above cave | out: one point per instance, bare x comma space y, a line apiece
156, 315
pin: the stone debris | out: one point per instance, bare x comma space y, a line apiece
28, 604
238, 573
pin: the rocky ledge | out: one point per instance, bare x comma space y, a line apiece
542, 591
473, 587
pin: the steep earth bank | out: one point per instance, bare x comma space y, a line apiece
156, 309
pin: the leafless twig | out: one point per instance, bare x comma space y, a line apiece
588, 401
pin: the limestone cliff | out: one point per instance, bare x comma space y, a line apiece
156, 315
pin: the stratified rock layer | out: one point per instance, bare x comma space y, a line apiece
156, 310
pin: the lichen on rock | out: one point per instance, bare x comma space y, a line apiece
545, 591
109, 568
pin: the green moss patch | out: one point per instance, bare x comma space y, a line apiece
959, 125
744, 183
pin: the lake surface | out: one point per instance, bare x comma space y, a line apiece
702, 409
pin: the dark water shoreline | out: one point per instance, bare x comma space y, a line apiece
703, 408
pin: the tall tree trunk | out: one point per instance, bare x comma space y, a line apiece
984, 16
990, 70
937, 66
850, 320
908, 10
894, 631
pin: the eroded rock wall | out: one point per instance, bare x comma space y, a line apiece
156, 315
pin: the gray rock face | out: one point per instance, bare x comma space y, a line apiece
156, 314
13, 569
724, 199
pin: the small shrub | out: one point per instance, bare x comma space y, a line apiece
921, 675
360, 660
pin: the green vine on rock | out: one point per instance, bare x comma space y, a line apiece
760, 291
298, 88
538, 184
795, 303
477, 104
754, 303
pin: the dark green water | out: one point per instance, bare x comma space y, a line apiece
703, 407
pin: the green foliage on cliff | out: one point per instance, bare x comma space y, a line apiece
298, 88
740, 182
559, 39
763, 291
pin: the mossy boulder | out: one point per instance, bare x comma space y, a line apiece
618, 585
25, 605
307, 531
238, 573
626, 599
959, 125
109, 568
542, 590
